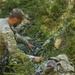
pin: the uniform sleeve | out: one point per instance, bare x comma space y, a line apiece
14, 51
21, 39
18, 37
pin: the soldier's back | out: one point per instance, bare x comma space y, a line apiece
3, 48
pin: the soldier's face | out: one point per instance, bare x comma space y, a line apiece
17, 21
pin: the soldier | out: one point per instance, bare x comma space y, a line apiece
59, 65
64, 65
7, 40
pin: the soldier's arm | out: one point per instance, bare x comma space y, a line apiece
18, 37
21, 39
12, 46
14, 51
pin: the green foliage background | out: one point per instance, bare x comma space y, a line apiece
50, 16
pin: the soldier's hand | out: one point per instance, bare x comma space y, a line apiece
30, 46
38, 59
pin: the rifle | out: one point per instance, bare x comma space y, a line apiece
60, 32
51, 39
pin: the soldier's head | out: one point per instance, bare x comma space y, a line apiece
16, 16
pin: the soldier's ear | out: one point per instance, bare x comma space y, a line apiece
15, 19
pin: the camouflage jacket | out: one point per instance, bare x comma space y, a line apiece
59, 65
7, 41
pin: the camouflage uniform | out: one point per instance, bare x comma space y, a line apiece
7, 42
48, 67
19, 38
59, 65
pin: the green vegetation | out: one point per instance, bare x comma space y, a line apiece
50, 16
